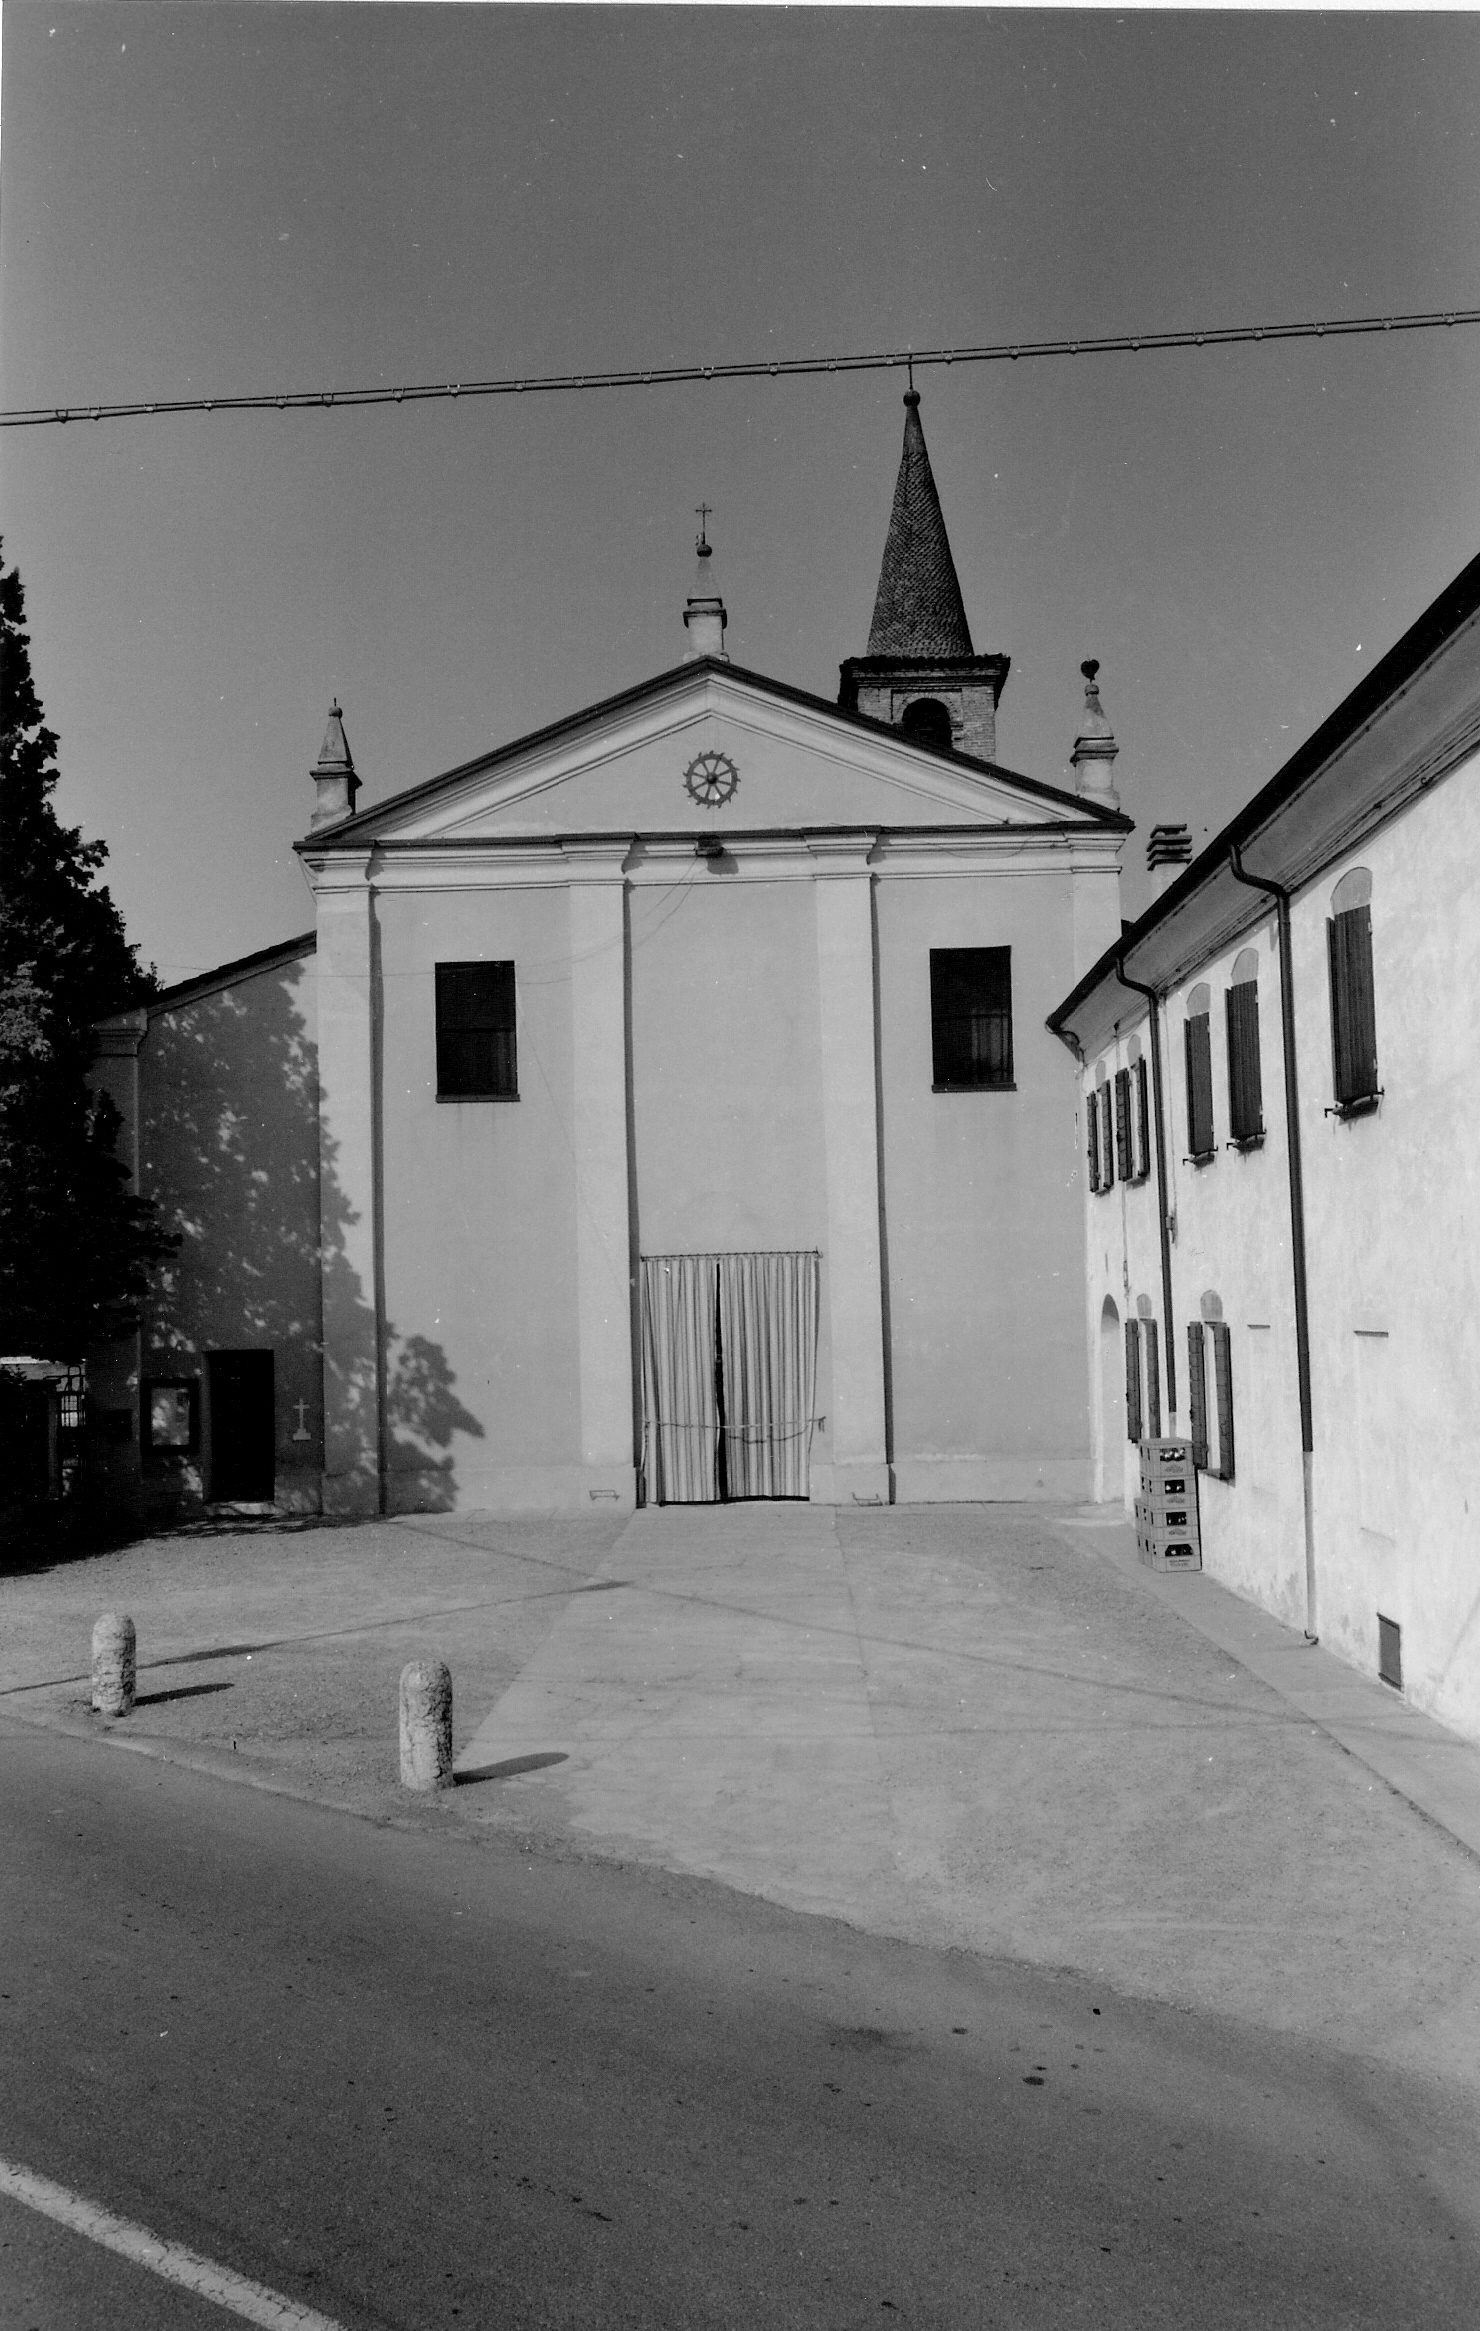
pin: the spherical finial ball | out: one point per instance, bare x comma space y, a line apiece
1090, 667
912, 397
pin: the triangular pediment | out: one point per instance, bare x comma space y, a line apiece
712, 749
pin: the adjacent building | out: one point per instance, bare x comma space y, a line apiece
1280, 1122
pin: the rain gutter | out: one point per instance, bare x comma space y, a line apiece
1164, 1222
1281, 896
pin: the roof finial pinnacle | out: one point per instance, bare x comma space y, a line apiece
703, 511
911, 394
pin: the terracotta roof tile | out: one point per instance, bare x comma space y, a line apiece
918, 611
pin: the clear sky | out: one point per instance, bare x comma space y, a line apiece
251, 198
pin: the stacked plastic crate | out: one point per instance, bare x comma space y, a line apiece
1166, 1510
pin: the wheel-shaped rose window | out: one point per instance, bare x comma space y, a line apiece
711, 778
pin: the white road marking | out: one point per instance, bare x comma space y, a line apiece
253, 2301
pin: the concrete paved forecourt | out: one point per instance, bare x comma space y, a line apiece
974, 1727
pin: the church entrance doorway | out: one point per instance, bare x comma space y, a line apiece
729, 1369
242, 1456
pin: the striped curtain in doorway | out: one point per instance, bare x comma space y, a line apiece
680, 1398
729, 1373
768, 1367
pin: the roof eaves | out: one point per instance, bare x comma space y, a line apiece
226, 974
1389, 678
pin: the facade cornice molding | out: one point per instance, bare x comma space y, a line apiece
120, 1036
342, 869
599, 858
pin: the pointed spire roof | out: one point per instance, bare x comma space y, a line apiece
334, 753
918, 611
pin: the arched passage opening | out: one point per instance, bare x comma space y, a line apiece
1112, 1406
928, 721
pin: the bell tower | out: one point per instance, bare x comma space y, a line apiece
921, 673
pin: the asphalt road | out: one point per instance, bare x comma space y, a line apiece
418, 2079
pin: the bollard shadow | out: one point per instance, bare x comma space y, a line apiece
511, 1766
185, 1692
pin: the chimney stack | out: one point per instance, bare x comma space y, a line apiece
1167, 852
1095, 750
335, 782
704, 617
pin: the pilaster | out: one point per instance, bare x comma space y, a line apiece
599, 1118
349, 1171
852, 1263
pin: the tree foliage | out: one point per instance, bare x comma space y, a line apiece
75, 1244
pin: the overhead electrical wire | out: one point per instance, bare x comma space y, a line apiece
791, 367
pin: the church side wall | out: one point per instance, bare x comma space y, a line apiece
481, 1329
228, 1149
982, 1199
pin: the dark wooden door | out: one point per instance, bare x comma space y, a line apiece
243, 1470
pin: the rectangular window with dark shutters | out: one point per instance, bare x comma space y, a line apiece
1197, 1393
1107, 1140
1353, 1009
1092, 1138
971, 1018
1124, 1150
1199, 1051
1245, 1087
1133, 1380
1151, 1345
1143, 1124
475, 1032
1223, 1394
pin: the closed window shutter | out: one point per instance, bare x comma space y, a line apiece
1151, 1338
1107, 1142
1124, 1160
1133, 1380
476, 1057
1199, 1085
1223, 1387
1353, 1008
1092, 1138
1143, 1125
1197, 1393
1245, 1088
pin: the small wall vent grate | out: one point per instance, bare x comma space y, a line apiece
1390, 1652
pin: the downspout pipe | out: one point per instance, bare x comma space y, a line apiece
1281, 897
1164, 1218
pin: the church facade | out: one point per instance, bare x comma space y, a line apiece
661, 1109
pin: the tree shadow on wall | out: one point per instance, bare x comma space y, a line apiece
231, 1152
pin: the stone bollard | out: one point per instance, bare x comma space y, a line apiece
114, 1661
426, 1725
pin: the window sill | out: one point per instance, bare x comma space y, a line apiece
1246, 1141
1365, 1105
1201, 1157
452, 1098
982, 1088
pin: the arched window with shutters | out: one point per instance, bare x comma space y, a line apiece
1197, 1044
1212, 1425
1245, 1084
1353, 1000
